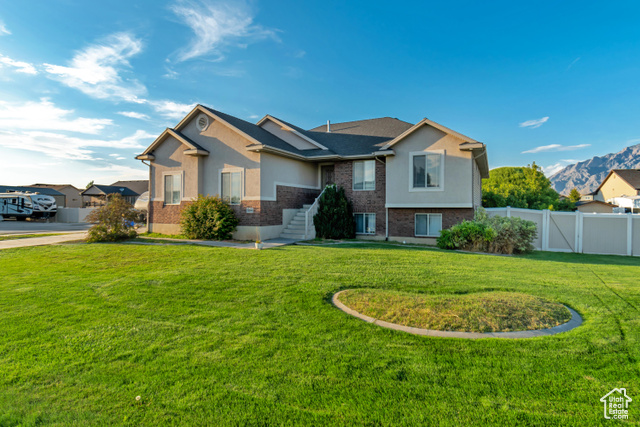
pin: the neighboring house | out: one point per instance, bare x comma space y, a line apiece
630, 204
619, 183
58, 196
406, 182
73, 198
594, 206
96, 195
141, 187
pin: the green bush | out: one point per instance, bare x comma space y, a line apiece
113, 222
334, 219
496, 234
208, 218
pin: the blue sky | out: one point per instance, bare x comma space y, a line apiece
85, 86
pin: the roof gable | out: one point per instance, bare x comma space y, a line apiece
630, 176
193, 149
283, 128
384, 127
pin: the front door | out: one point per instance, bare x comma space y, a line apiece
327, 175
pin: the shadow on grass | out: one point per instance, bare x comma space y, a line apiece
563, 257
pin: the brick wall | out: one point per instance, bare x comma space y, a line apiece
402, 221
365, 201
264, 212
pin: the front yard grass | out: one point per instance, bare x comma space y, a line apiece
217, 336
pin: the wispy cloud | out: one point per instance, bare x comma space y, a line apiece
134, 115
217, 25
551, 169
113, 172
65, 147
556, 147
573, 63
97, 70
170, 109
3, 30
532, 124
20, 67
44, 115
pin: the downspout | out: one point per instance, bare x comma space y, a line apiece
386, 210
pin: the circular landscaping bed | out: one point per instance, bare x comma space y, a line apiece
477, 312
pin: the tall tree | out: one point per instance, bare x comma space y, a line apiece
574, 195
521, 187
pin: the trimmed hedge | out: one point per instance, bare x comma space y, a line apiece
208, 218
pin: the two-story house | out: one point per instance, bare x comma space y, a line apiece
406, 181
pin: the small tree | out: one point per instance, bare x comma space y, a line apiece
574, 195
114, 221
89, 184
208, 218
334, 219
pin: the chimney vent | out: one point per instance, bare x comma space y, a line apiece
328, 126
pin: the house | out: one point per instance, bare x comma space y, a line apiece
594, 206
58, 196
139, 186
73, 198
96, 195
406, 181
619, 183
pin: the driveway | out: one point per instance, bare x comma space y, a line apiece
8, 227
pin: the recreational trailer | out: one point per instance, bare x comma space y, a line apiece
23, 205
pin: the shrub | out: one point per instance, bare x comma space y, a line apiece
496, 234
208, 218
114, 221
334, 219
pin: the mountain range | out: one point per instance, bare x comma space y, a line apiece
587, 175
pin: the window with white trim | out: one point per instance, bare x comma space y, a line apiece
365, 223
427, 170
231, 187
172, 189
428, 225
364, 175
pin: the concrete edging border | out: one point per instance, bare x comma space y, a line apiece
576, 320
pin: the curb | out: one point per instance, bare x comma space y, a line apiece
576, 320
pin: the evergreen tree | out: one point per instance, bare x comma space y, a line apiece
574, 195
334, 219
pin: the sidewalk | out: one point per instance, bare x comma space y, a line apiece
39, 241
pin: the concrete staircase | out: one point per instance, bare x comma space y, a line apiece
295, 229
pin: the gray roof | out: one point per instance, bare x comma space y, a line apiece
386, 127
632, 176
139, 186
41, 190
110, 189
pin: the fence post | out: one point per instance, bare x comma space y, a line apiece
508, 211
576, 243
580, 231
629, 234
546, 225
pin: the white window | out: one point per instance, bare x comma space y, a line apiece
426, 170
428, 225
364, 175
172, 189
365, 223
231, 190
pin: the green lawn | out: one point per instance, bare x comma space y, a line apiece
216, 336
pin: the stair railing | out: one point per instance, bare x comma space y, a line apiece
309, 229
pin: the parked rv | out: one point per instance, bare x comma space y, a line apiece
23, 205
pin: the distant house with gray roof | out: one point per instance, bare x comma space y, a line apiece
96, 195
406, 181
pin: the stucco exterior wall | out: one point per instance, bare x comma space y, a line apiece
288, 136
277, 170
477, 186
615, 187
595, 208
170, 159
458, 180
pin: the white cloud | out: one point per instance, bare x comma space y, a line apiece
534, 123
66, 147
44, 115
113, 173
96, 70
133, 115
171, 109
120, 158
114, 155
254, 116
21, 67
551, 169
216, 25
3, 30
556, 147
573, 63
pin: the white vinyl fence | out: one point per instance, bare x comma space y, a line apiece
72, 214
589, 233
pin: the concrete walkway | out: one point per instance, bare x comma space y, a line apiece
575, 321
267, 244
40, 241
